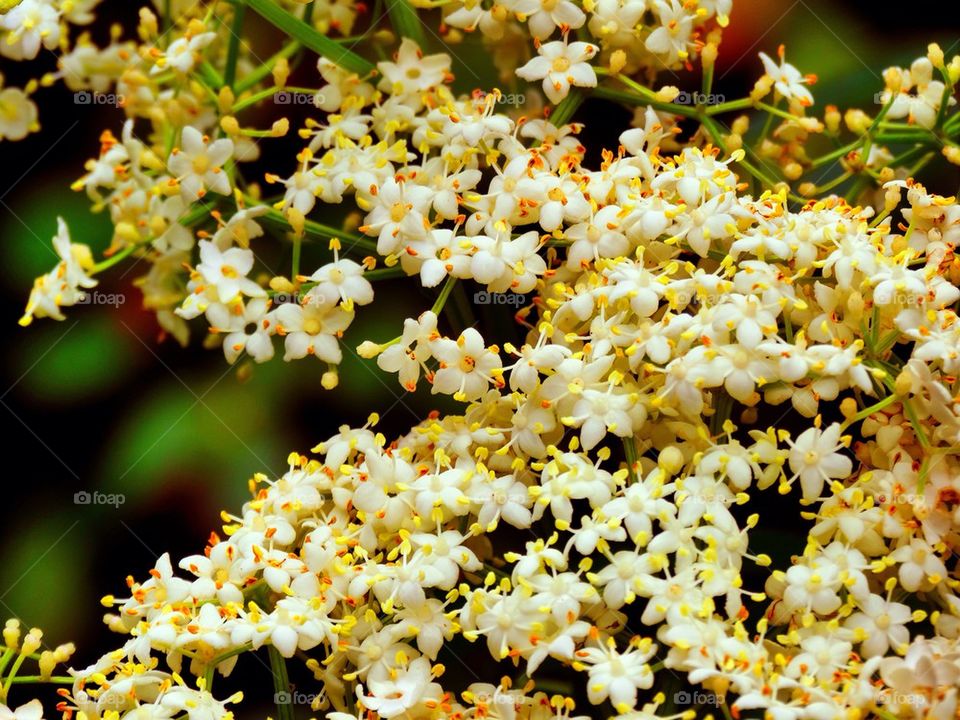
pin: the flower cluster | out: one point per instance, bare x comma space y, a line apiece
705, 324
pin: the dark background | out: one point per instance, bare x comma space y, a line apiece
96, 404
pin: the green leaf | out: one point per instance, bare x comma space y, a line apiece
310, 38
406, 21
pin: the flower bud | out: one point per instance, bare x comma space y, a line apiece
740, 125
668, 93
709, 55
330, 380
935, 55
832, 118
281, 72
230, 125
369, 350
848, 408
31, 643
903, 384
618, 60
952, 154
11, 633
670, 459
857, 121
793, 170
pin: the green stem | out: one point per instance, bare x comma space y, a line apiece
56, 679
315, 229
281, 684
262, 71
295, 261
444, 294
233, 48
740, 104
567, 107
867, 412
630, 452
187, 220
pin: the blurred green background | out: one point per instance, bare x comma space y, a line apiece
95, 403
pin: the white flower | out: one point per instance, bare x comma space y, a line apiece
29, 25
617, 675
198, 164
560, 65
18, 113
411, 73
183, 53
397, 692
815, 460
247, 326
313, 328
61, 287
672, 37
920, 567
787, 80
467, 367
342, 280
545, 16
33, 710
879, 625
225, 272
412, 350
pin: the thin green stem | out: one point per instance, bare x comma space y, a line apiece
54, 679
444, 295
262, 71
233, 47
281, 685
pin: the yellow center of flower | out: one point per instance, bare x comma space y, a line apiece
201, 163
560, 64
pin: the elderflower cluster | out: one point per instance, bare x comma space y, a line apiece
701, 323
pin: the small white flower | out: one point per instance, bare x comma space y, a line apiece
787, 80
183, 53
18, 113
561, 65
198, 164
226, 271
815, 460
